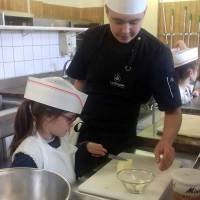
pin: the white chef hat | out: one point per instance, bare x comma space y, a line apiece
182, 57
55, 92
127, 7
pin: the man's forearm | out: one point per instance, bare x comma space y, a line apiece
172, 123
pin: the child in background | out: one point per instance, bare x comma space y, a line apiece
41, 126
186, 69
196, 92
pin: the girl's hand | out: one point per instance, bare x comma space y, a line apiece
95, 149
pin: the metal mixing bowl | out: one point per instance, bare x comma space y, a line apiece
32, 184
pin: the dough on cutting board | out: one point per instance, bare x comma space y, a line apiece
124, 164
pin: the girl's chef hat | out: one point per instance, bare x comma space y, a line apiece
127, 7
55, 92
182, 57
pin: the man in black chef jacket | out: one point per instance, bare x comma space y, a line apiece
120, 66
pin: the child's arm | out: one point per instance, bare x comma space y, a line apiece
23, 160
95, 149
88, 156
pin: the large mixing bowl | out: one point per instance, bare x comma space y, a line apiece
32, 184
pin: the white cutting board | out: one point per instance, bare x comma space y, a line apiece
104, 182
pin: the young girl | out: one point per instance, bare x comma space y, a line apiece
186, 69
41, 125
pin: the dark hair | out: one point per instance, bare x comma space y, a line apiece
182, 71
28, 113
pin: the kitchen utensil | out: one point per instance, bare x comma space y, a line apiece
105, 183
189, 30
196, 164
172, 28
186, 184
184, 22
198, 32
135, 180
32, 184
164, 22
115, 157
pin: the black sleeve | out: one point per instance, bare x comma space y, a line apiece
23, 160
92, 39
162, 80
78, 67
82, 160
85, 163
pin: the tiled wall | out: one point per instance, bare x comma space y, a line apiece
29, 52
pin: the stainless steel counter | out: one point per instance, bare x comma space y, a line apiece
193, 107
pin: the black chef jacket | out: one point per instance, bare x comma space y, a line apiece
119, 78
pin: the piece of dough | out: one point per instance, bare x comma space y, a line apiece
125, 164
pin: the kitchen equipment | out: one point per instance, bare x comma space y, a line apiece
32, 184
184, 22
164, 22
111, 156
105, 183
16, 18
66, 65
196, 164
186, 184
198, 32
189, 30
171, 28
135, 180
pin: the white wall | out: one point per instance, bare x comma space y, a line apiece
31, 52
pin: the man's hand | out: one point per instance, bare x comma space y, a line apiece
164, 155
97, 150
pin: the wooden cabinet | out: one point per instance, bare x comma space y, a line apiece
177, 9
15, 5
44, 10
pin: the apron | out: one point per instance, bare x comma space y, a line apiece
59, 160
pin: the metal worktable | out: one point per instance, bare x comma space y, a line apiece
193, 107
